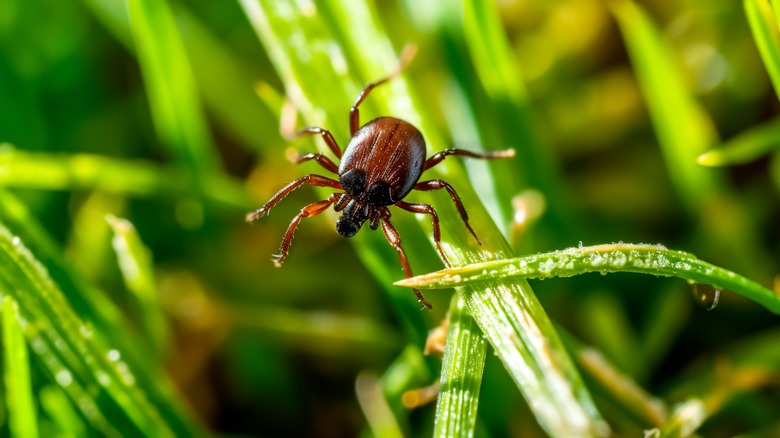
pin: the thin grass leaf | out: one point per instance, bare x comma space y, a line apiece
766, 35
130, 177
60, 410
22, 414
746, 147
307, 50
170, 85
461, 375
135, 262
684, 130
685, 419
617, 257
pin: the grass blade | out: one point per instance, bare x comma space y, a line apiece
135, 262
170, 85
461, 375
748, 146
617, 257
22, 415
767, 37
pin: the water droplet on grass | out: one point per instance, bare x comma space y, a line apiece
706, 295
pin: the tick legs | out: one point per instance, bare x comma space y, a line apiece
315, 180
308, 211
440, 156
326, 135
440, 184
427, 209
354, 113
322, 160
395, 239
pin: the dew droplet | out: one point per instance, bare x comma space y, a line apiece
15, 241
706, 295
113, 355
64, 377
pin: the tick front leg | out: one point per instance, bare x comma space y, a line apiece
326, 135
354, 113
315, 180
441, 184
308, 211
427, 209
440, 156
395, 240
322, 160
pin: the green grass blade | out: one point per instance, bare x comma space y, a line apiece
130, 177
135, 262
461, 375
618, 257
104, 328
685, 419
766, 35
22, 414
60, 410
684, 130
170, 85
746, 147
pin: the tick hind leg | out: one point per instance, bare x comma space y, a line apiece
310, 210
395, 240
440, 156
441, 184
326, 135
429, 210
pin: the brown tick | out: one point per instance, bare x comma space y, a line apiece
381, 165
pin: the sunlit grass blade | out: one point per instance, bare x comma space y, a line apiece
685, 419
60, 410
461, 374
746, 147
104, 325
764, 26
170, 86
130, 177
97, 380
137, 268
684, 130
22, 412
617, 257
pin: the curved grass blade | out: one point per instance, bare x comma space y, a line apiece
748, 146
617, 257
22, 415
461, 375
766, 35
685, 419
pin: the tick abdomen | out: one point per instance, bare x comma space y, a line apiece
383, 161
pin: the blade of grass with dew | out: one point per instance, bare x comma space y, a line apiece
461, 374
171, 87
617, 257
130, 177
135, 262
766, 35
22, 414
301, 43
746, 147
104, 325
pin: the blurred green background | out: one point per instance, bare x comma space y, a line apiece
166, 114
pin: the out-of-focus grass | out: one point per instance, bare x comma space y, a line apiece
147, 111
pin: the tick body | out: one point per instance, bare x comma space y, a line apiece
383, 162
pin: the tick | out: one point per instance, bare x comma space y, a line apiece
383, 162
